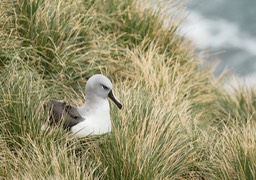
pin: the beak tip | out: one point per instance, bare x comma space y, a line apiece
112, 97
120, 106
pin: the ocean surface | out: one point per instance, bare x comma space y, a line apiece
224, 31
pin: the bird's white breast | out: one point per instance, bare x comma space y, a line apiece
97, 119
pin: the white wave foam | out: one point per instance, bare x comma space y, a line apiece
216, 34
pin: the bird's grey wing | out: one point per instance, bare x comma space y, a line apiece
72, 115
56, 111
64, 113
72, 110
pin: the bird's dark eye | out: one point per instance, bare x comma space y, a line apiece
105, 87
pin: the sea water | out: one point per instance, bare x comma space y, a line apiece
224, 31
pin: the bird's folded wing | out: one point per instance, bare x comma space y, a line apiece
72, 116
72, 111
62, 110
56, 111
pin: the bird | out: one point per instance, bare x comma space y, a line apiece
92, 117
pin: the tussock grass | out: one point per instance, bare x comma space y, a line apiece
154, 143
177, 123
20, 93
239, 107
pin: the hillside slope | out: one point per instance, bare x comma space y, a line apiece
176, 123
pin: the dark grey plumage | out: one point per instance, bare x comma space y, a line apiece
63, 113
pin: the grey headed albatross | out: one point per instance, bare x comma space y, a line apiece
93, 117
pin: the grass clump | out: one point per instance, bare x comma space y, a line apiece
20, 96
152, 144
177, 123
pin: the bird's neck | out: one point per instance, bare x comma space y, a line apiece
94, 106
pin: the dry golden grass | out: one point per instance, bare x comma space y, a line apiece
177, 123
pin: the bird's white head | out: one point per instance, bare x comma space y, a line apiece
99, 86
